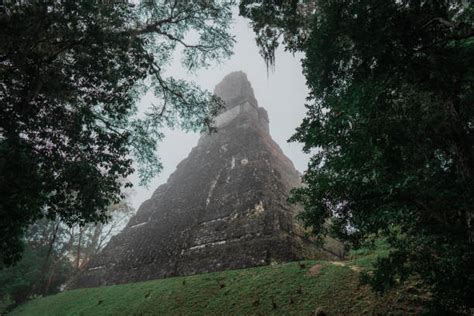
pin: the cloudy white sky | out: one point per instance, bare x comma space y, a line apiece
281, 92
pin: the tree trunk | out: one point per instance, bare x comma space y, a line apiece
44, 269
78, 254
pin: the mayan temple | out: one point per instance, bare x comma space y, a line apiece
225, 206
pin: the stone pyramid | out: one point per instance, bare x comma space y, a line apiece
225, 206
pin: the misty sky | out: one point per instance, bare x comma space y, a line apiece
282, 93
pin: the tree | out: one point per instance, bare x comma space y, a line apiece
85, 242
70, 75
390, 124
54, 252
41, 270
278, 22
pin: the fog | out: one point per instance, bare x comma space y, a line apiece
281, 92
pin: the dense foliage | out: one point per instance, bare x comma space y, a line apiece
390, 125
54, 253
70, 75
32, 275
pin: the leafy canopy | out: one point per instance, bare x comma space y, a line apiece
390, 123
71, 73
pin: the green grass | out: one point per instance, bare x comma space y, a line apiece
284, 289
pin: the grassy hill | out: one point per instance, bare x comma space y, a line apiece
298, 288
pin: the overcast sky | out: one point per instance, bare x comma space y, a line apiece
282, 93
